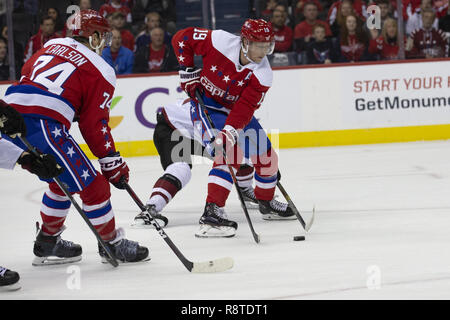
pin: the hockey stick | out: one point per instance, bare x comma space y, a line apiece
217, 265
230, 168
294, 208
110, 256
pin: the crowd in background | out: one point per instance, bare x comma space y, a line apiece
306, 31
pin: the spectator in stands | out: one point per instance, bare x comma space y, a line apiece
353, 40
165, 8
385, 45
18, 51
118, 22
444, 23
441, 8
357, 7
85, 4
152, 20
415, 20
283, 33
116, 6
427, 42
320, 50
385, 13
4, 65
267, 11
117, 56
60, 26
155, 56
337, 20
45, 33
299, 7
303, 30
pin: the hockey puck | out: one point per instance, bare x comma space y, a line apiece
299, 238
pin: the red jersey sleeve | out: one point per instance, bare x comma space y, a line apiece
94, 115
250, 100
189, 42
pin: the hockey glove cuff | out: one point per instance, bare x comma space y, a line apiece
115, 169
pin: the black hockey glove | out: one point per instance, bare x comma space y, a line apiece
11, 121
44, 165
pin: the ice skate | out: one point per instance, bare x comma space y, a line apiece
249, 198
51, 250
275, 210
9, 280
141, 220
214, 223
125, 251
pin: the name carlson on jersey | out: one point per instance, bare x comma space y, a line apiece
215, 91
62, 51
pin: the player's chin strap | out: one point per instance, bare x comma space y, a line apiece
245, 51
97, 48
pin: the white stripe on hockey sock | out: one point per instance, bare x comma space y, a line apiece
51, 212
221, 182
103, 219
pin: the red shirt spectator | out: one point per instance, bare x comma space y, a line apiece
283, 33
304, 29
353, 40
358, 7
156, 59
269, 8
386, 45
301, 3
427, 42
45, 33
114, 6
118, 22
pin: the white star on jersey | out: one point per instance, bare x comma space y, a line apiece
108, 145
85, 174
226, 78
70, 152
104, 130
56, 132
181, 44
181, 58
213, 68
240, 83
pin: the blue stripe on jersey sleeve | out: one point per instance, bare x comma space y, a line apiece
29, 89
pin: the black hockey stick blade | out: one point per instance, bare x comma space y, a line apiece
305, 226
217, 265
110, 256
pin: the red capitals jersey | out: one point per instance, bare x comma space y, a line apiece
229, 86
64, 80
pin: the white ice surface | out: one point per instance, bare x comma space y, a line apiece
382, 212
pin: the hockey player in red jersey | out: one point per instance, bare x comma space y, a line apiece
233, 82
66, 80
12, 124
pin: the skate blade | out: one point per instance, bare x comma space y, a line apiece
12, 287
53, 260
105, 261
251, 205
141, 224
207, 231
270, 217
